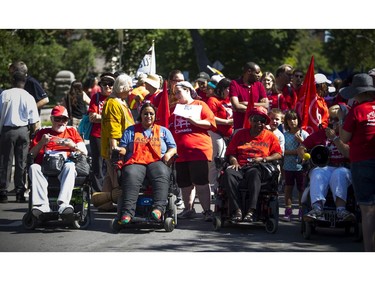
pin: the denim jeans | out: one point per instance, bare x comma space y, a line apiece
157, 173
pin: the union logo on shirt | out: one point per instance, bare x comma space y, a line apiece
371, 118
181, 125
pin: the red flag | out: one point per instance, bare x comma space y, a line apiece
163, 113
250, 106
308, 107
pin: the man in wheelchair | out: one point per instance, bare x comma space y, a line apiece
333, 171
59, 139
246, 152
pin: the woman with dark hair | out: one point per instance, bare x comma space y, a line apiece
147, 148
224, 120
76, 102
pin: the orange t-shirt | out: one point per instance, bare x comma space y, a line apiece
193, 143
243, 146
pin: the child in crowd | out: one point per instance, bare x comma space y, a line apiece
293, 171
277, 119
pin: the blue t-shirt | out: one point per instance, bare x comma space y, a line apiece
127, 140
290, 161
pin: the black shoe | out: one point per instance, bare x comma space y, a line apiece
3, 198
20, 198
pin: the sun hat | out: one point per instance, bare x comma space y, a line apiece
187, 84
59, 110
262, 111
153, 80
371, 72
361, 83
202, 77
321, 78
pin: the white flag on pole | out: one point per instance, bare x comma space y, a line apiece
148, 64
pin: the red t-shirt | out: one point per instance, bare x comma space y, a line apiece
243, 92
243, 146
360, 121
96, 106
69, 133
277, 100
290, 97
320, 138
219, 110
193, 143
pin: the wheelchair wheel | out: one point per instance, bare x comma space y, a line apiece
169, 224
115, 226
217, 223
29, 222
271, 225
306, 230
78, 224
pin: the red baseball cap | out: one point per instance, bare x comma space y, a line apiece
59, 110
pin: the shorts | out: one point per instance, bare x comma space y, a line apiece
192, 173
364, 181
297, 177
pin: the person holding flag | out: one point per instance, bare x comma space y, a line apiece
312, 107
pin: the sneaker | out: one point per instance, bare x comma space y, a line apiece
38, 210
300, 214
180, 204
125, 219
314, 214
207, 215
345, 215
288, 215
186, 214
3, 198
156, 214
66, 209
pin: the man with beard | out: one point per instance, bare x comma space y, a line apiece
57, 139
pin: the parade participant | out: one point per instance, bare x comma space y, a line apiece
336, 175
359, 131
147, 148
248, 146
190, 122
58, 138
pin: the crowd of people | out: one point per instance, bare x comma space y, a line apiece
254, 116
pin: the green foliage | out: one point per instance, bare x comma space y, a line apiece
47, 51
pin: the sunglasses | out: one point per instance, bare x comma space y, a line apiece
60, 119
298, 76
258, 118
105, 84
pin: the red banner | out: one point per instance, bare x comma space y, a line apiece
163, 113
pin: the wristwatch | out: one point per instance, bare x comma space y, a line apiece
264, 160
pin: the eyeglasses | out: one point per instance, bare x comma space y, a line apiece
257, 118
105, 84
60, 119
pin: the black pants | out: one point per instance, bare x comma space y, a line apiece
97, 163
14, 142
249, 177
157, 173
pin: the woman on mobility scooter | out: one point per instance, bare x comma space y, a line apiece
245, 151
147, 148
